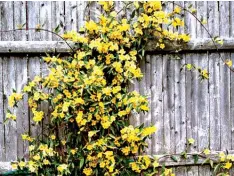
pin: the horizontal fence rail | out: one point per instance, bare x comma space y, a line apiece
37, 47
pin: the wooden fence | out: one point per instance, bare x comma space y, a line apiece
182, 106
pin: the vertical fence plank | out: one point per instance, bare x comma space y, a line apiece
46, 19
180, 111
224, 80
214, 93
10, 127
33, 19
22, 123
203, 113
168, 106
20, 19
7, 17
81, 13
157, 103
225, 105
180, 106
71, 15
191, 128
58, 16
147, 118
22, 110
190, 21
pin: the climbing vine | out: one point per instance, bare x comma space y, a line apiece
89, 98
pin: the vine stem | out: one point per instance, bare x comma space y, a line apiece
209, 34
38, 30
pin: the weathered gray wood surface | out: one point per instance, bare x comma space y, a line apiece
181, 105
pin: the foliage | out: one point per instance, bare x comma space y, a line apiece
89, 100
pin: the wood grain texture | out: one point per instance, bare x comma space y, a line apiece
181, 106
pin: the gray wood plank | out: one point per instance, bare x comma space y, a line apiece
9, 74
189, 20
167, 105
213, 17
214, 105
181, 171
180, 106
45, 9
203, 112
58, 16
202, 15
71, 16
33, 19
20, 20
224, 16
147, 75
225, 105
81, 13
22, 122
7, 17
157, 103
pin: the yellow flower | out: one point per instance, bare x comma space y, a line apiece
191, 141
73, 151
126, 150
10, 116
148, 131
228, 62
206, 151
136, 4
36, 157
144, 107
222, 156
102, 164
46, 162
62, 167
63, 142
38, 115
14, 166
162, 46
116, 89
53, 137
227, 165
177, 9
79, 117
31, 148
24, 136
22, 164
155, 164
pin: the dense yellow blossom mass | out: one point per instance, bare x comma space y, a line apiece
89, 100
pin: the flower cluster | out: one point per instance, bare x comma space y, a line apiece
89, 101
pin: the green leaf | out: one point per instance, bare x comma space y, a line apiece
81, 162
174, 158
195, 157
57, 29
217, 167
211, 163
183, 154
